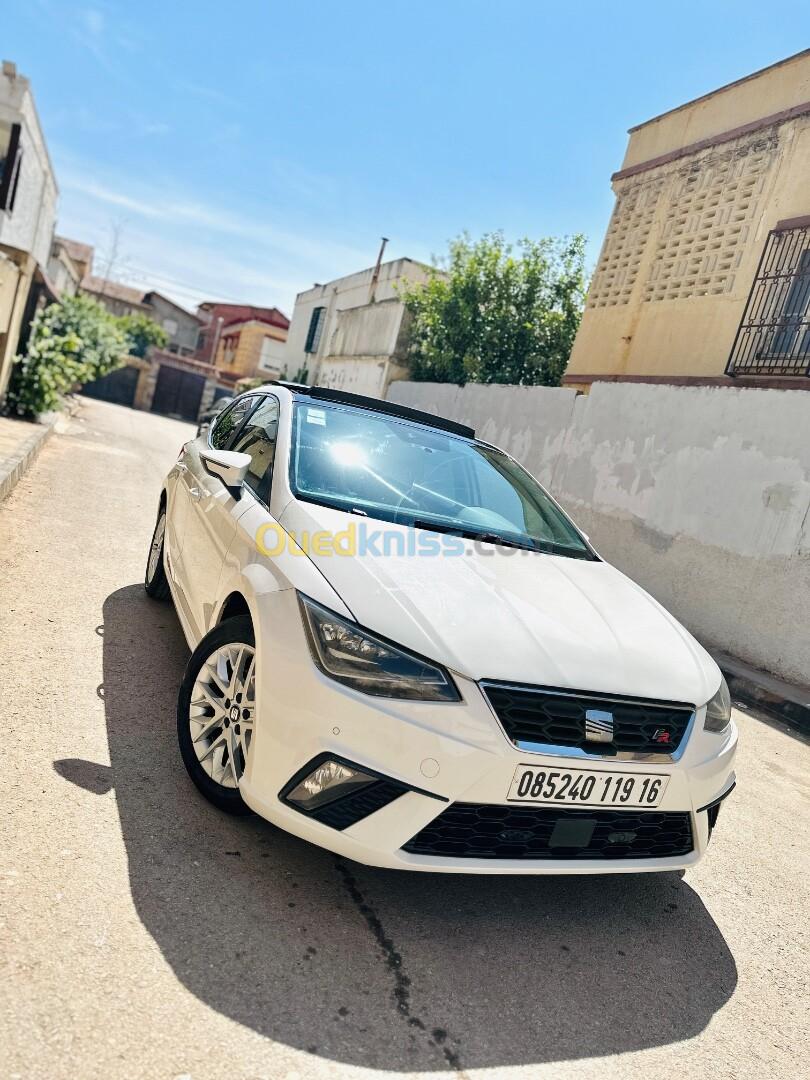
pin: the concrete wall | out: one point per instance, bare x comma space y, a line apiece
369, 330
701, 495
530, 422
360, 374
687, 232
365, 349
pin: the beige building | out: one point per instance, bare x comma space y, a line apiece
704, 274
250, 347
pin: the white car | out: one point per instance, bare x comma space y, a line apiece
405, 652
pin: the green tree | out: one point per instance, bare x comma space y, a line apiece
497, 312
72, 343
141, 332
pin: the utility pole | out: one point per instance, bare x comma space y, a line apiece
375, 277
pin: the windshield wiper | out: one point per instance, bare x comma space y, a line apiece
496, 538
546, 547
470, 534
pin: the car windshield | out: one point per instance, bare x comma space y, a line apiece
395, 470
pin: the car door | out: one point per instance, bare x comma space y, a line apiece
208, 517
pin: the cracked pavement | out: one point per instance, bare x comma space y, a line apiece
145, 934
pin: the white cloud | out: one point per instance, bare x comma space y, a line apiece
93, 21
193, 249
158, 204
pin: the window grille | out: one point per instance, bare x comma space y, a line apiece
774, 334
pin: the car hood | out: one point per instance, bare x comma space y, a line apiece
505, 614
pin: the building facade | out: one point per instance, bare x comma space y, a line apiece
28, 195
704, 274
183, 327
250, 347
65, 267
351, 333
214, 316
117, 298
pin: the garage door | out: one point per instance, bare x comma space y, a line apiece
178, 393
119, 386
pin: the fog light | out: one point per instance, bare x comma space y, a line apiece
329, 781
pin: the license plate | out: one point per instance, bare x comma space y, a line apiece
587, 787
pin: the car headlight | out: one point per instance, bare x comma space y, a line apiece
718, 710
365, 662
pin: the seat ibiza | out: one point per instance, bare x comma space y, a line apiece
404, 651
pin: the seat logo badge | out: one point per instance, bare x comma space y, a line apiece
621, 837
661, 735
516, 836
598, 726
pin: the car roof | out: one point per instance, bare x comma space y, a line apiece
361, 401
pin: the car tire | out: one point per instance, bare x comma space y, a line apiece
155, 581
216, 712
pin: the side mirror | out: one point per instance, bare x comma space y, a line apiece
230, 467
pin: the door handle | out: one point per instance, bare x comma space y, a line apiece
196, 493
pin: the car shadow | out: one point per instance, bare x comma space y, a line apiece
383, 969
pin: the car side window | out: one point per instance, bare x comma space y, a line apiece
258, 439
226, 424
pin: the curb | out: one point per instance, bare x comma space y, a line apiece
15, 467
781, 700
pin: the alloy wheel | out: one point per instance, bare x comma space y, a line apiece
155, 551
222, 712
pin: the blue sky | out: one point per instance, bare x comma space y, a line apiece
245, 150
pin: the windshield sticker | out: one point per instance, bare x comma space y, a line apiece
316, 416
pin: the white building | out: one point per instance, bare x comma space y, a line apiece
28, 195
351, 334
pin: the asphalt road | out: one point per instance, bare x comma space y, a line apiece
144, 934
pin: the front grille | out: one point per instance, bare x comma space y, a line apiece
546, 716
471, 831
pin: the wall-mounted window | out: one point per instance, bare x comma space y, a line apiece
315, 329
230, 344
10, 162
774, 334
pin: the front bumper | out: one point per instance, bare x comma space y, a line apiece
451, 752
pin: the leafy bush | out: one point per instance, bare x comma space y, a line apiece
496, 316
141, 332
72, 343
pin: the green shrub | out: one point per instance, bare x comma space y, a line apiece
497, 313
141, 332
72, 343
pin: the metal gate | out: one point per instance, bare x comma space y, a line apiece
119, 386
178, 393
